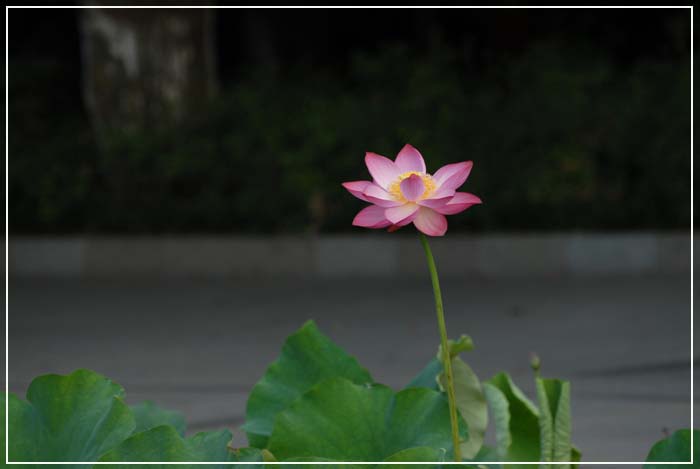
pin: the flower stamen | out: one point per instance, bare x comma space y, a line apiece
428, 183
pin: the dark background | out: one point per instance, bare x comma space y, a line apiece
575, 119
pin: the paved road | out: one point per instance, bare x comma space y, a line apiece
199, 345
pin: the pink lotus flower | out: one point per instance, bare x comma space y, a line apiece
402, 192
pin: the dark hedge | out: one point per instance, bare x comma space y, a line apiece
562, 138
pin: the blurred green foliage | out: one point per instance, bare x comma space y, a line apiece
562, 138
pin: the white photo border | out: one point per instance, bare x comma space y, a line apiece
7, 435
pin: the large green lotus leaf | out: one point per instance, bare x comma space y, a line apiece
486, 453
471, 404
421, 454
303, 464
555, 420
77, 417
342, 421
471, 401
428, 376
165, 444
516, 420
148, 415
2, 429
307, 358
675, 448
500, 415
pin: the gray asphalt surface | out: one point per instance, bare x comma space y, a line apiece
199, 345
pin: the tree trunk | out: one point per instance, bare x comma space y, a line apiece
146, 68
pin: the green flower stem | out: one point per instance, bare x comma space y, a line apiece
446, 361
